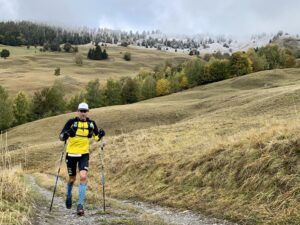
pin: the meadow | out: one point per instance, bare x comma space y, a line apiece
229, 149
29, 70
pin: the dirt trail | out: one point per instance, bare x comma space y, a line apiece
130, 211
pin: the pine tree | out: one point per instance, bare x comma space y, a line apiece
98, 53
90, 54
104, 54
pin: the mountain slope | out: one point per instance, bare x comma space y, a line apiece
229, 149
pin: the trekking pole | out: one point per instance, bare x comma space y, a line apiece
62, 155
102, 179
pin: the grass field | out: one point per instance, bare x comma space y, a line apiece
229, 149
15, 198
30, 69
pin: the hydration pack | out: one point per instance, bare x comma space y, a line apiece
74, 128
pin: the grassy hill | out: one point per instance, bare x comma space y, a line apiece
229, 149
30, 69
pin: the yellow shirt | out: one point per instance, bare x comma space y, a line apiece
79, 144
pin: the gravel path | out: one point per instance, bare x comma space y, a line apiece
62, 216
176, 216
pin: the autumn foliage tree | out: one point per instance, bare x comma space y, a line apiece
162, 87
240, 64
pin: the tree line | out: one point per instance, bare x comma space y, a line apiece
28, 33
162, 80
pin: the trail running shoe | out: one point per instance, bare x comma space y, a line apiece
69, 202
80, 211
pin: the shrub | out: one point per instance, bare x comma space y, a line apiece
240, 64
20, 108
130, 90
67, 47
78, 59
194, 71
57, 71
127, 56
217, 70
184, 83
5, 53
124, 44
94, 96
272, 54
149, 87
113, 92
48, 101
6, 112
259, 62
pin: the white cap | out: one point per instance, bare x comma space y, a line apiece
83, 106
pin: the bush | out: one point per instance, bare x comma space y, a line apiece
287, 59
207, 57
5, 53
194, 71
20, 108
259, 62
113, 92
127, 56
45, 47
57, 71
78, 59
130, 90
94, 96
67, 47
184, 83
272, 54
149, 87
240, 64
217, 70
6, 118
48, 101
55, 47
74, 101
124, 44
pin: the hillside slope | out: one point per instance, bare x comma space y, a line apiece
229, 149
30, 70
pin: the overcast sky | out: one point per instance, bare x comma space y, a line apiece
229, 17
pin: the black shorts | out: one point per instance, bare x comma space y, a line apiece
72, 160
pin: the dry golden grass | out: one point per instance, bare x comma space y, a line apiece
229, 149
15, 198
251, 177
27, 70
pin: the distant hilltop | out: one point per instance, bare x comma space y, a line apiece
29, 33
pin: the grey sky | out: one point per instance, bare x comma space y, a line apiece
229, 17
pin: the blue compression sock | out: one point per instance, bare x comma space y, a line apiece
69, 189
82, 190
